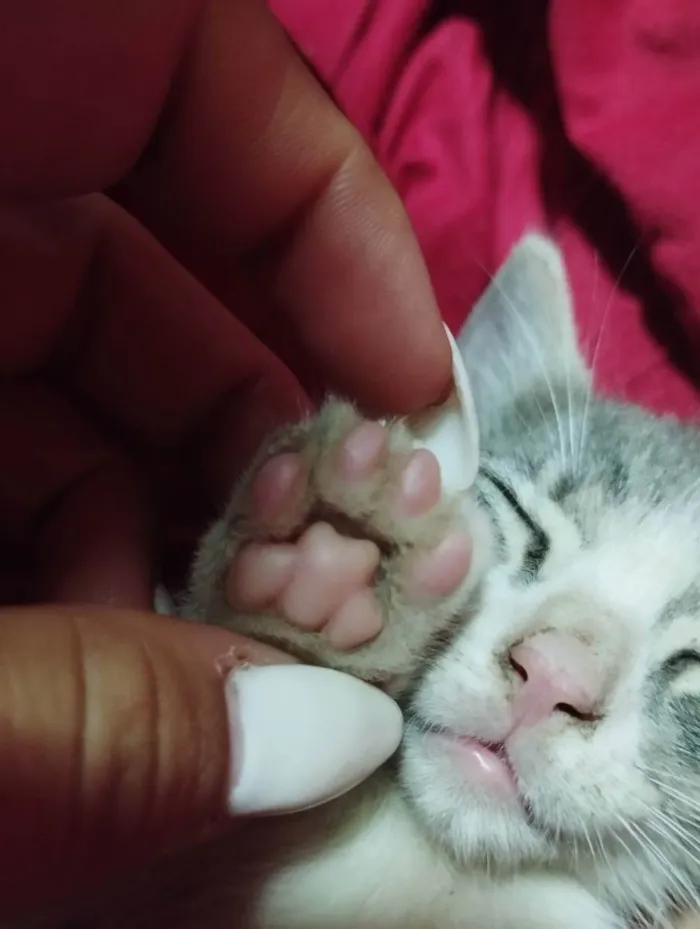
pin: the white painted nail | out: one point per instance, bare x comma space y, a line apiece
450, 431
303, 735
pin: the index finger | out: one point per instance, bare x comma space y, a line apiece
236, 145
253, 150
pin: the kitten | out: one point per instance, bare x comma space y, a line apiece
541, 632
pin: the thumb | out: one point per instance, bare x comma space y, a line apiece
123, 739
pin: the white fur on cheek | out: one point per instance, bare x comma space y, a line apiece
585, 784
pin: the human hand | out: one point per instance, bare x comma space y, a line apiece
126, 369
111, 352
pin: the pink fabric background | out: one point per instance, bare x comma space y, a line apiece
580, 116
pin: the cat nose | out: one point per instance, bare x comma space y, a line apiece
559, 674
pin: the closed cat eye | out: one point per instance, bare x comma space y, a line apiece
681, 659
540, 544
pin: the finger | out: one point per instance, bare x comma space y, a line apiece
251, 150
113, 317
83, 85
96, 544
242, 152
115, 740
70, 498
123, 736
110, 312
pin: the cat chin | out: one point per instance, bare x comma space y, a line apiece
482, 824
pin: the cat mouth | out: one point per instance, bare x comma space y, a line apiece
481, 763
485, 764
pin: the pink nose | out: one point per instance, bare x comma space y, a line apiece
559, 674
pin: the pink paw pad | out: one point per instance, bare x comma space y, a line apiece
419, 484
329, 569
321, 581
363, 451
259, 574
278, 487
441, 571
356, 622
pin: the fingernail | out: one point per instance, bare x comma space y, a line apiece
303, 735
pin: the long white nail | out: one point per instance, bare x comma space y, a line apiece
450, 431
303, 735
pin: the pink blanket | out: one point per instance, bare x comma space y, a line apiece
578, 116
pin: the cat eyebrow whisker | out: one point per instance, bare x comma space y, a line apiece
589, 391
604, 319
570, 418
527, 332
532, 341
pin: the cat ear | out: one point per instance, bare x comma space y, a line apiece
521, 335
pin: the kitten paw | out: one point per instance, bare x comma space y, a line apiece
322, 580
341, 542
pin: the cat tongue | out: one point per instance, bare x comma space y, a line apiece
450, 430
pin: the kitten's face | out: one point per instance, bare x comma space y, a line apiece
597, 536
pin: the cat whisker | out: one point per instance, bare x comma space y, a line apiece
587, 837
681, 887
604, 853
679, 795
681, 835
534, 346
599, 340
678, 882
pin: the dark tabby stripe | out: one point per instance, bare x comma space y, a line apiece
539, 544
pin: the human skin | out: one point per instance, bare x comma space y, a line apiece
232, 157
133, 388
